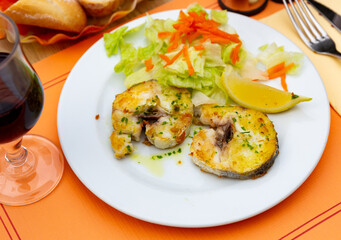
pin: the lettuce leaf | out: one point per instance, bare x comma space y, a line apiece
250, 70
212, 54
271, 55
148, 51
180, 66
197, 8
112, 40
135, 29
129, 59
199, 98
155, 26
219, 16
136, 77
226, 55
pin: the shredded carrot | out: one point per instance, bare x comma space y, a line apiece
235, 53
192, 26
217, 32
284, 83
199, 47
165, 58
149, 64
171, 61
188, 61
185, 53
204, 39
164, 34
276, 68
220, 40
281, 72
206, 25
197, 17
175, 41
272, 71
192, 36
182, 15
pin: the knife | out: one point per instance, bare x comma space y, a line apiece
329, 14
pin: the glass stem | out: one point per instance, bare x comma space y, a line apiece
15, 153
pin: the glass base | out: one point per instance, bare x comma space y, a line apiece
244, 7
36, 178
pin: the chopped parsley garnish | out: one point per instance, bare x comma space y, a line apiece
246, 142
294, 96
125, 120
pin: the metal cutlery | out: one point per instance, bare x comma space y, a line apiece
330, 15
309, 30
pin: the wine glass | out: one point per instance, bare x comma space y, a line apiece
30, 166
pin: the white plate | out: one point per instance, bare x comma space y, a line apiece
173, 194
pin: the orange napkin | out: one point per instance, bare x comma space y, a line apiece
71, 211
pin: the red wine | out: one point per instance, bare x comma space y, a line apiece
21, 99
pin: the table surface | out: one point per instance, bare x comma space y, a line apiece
36, 52
71, 211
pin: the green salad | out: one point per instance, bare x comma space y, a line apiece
194, 52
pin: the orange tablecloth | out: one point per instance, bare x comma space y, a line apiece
71, 211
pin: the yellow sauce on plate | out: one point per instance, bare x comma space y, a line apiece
154, 166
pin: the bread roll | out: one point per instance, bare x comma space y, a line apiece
65, 15
100, 8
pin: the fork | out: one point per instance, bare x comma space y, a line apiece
309, 30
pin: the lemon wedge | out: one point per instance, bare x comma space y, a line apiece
258, 96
